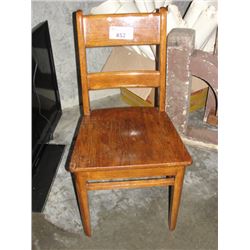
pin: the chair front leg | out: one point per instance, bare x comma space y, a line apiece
175, 197
82, 194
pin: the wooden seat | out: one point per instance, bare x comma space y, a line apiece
130, 147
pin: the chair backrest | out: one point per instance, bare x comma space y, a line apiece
118, 30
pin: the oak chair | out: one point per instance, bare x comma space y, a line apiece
131, 147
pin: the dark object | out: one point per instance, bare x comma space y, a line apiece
46, 107
41, 181
46, 112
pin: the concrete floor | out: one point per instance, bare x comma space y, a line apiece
137, 219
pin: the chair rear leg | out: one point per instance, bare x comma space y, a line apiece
174, 198
82, 195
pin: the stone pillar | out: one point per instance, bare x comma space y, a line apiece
178, 87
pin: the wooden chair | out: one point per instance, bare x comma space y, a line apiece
131, 147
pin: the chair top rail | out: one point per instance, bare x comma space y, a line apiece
121, 29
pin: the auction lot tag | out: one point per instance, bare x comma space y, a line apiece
121, 32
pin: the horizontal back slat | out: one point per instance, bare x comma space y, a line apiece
105, 80
145, 29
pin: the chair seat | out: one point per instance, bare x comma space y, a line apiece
127, 138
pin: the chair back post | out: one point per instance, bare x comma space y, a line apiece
82, 62
93, 31
163, 56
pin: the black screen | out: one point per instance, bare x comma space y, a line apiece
45, 98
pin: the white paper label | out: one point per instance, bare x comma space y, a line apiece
121, 32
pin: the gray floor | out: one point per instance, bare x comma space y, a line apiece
130, 219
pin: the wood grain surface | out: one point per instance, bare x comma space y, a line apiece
145, 26
127, 137
139, 78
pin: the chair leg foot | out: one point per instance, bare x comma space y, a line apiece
174, 198
82, 195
